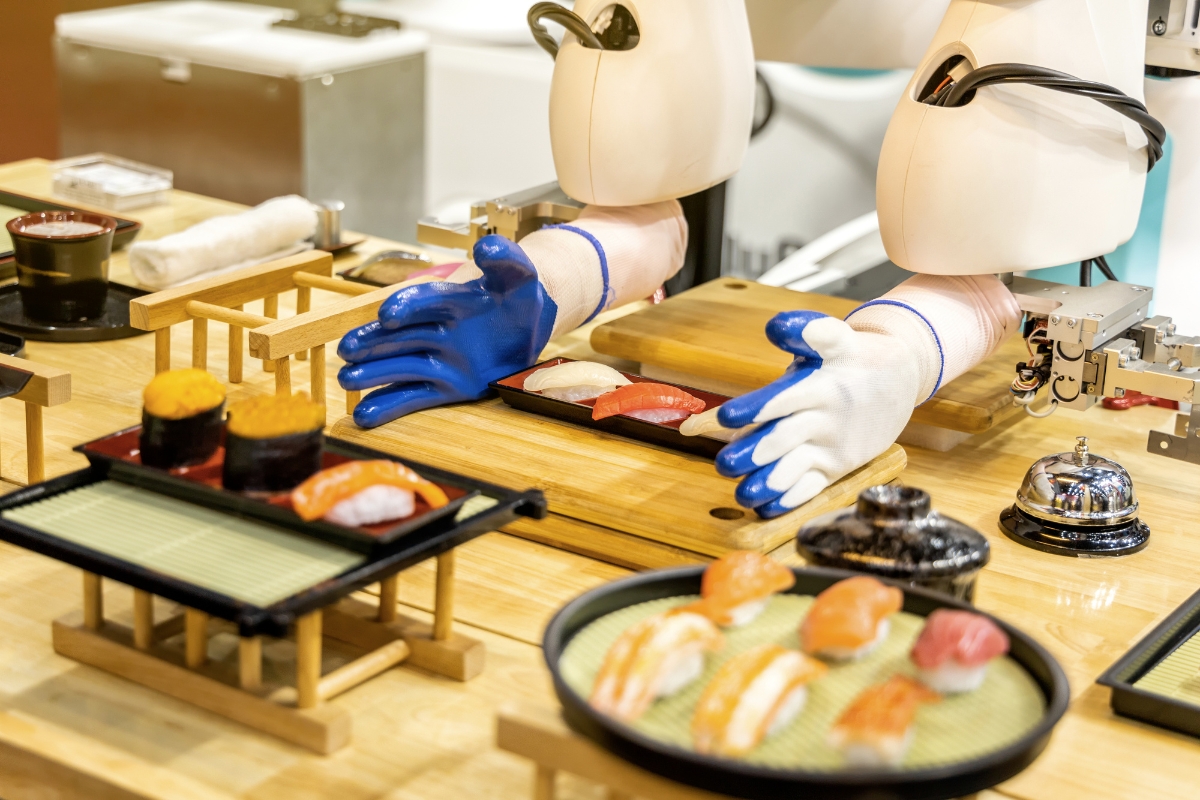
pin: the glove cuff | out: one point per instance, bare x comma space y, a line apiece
916, 334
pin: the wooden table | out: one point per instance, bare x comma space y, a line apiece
67, 730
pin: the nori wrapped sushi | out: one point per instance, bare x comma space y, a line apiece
182, 418
272, 444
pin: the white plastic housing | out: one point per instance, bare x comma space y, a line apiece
1022, 177
665, 119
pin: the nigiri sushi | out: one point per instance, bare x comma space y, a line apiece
752, 696
875, 730
737, 586
706, 424
654, 658
364, 493
850, 618
575, 380
954, 649
652, 402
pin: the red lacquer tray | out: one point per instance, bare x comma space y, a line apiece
201, 484
665, 434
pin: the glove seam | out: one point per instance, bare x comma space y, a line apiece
604, 280
936, 339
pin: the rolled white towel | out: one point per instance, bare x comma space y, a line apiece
270, 230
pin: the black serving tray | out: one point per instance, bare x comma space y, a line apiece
112, 324
746, 780
665, 434
117, 453
430, 540
1128, 700
127, 229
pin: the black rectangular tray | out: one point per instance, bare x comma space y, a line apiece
127, 229
1128, 700
357, 539
664, 434
430, 540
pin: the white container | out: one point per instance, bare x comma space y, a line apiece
119, 184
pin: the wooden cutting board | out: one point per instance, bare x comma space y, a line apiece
635, 504
716, 332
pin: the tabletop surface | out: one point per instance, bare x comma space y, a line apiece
68, 730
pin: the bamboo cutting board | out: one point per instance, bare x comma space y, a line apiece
716, 332
632, 503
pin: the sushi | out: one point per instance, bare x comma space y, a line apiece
364, 493
574, 381
737, 586
707, 424
182, 418
850, 619
752, 697
954, 649
654, 658
875, 730
272, 443
652, 402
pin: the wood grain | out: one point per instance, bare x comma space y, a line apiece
717, 331
48, 386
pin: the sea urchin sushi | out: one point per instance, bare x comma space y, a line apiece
182, 418
272, 443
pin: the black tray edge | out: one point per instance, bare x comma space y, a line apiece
758, 783
1129, 701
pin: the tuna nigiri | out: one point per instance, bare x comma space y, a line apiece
752, 696
850, 618
575, 380
954, 649
737, 586
652, 402
876, 728
364, 493
654, 658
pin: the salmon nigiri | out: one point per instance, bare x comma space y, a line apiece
752, 696
954, 649
737, 586
850, 618
876, 728
364, 493
652, 402
654, 658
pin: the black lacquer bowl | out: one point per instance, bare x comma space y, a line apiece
893, 533
756, 782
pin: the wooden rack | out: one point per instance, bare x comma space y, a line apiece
296, 713
48, 387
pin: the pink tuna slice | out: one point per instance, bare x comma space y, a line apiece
969, 639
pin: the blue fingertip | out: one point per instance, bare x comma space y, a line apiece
753, 491
737, 458
773, 509
786, 331
503, 263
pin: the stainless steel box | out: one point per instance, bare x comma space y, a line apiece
250, 131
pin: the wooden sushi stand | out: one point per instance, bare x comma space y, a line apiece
70, 730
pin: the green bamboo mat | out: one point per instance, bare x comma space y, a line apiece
239, 558
1178, 675
960, 727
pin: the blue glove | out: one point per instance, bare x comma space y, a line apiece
438, 343
842, 401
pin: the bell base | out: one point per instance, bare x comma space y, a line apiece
1074, 540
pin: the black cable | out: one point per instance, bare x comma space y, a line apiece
1102, 263
768, 102
1085, 272
959, 93
563, 16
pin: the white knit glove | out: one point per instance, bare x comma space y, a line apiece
854, 384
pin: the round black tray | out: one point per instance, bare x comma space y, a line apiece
113, 324
739, 779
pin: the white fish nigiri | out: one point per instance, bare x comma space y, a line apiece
575, 380
706, 424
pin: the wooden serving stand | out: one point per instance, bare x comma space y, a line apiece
715, 336
47, 387
296, 713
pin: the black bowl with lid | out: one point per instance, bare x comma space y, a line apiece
893, 532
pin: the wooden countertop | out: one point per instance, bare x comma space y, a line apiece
67, 730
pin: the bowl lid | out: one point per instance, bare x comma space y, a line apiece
893, 531
1078, 488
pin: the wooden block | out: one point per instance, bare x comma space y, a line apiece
352, 399
49, 386
229, 316
162, 350
336, 285
539, 734
362, 669
236, 347
716, 331
250, 662
35, 444
443, 600
283, 376
168, 307
303, 306
324, 729
657, 494
143, 619
543, 783
316, 378
200, 343
388, 593
458, 657
308, 659
196, 638
93, 600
